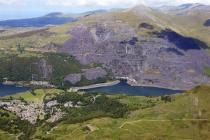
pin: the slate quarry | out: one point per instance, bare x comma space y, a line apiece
165, 58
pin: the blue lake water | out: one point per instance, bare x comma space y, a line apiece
124, 88
6, 90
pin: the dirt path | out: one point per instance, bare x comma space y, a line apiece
147, 120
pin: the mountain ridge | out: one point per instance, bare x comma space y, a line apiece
49, 19
54, 18
185, 9
141, 43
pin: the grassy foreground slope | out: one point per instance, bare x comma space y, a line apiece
183, 117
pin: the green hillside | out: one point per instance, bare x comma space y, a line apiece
184, 117
178, 117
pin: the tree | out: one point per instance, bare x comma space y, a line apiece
166, 98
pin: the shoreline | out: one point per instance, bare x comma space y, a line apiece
117, 82
30, 84
112, 83
133, 82
156, 86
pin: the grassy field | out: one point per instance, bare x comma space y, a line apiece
37, 95
5, 136
184, 118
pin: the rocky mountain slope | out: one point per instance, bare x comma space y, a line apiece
140, 48
145, 45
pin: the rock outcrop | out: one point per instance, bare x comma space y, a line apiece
94, 73
89, 74
73, 78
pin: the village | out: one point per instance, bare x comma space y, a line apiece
33, 112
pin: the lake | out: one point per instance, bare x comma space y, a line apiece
6, 90
124, 88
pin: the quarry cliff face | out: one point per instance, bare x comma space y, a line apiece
160, 58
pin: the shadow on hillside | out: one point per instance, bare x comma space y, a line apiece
182, 42
207, 23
